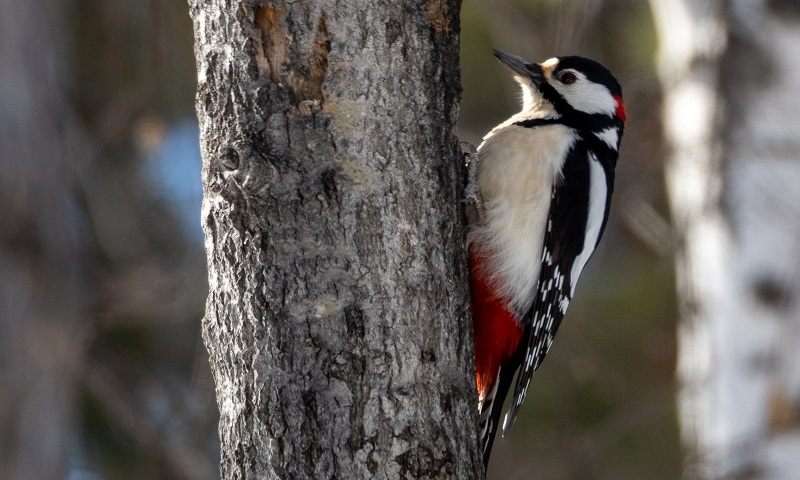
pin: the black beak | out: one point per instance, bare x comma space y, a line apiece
520, 67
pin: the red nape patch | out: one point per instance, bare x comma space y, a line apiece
620, 109
497, 331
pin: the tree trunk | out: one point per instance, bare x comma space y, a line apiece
337, 319
732, 114
41, 298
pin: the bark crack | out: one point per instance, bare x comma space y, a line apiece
273, 54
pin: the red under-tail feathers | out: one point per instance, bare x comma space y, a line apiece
496, 329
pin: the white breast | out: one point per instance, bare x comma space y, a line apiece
517, 169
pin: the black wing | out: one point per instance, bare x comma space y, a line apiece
564, 243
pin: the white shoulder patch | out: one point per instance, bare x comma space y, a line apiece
610, 136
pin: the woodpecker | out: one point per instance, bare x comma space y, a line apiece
540, 191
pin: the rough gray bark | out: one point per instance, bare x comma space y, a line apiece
337, 319
41, 342
732, 113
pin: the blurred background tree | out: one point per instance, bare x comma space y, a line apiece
42, 264
102, 273
732, 115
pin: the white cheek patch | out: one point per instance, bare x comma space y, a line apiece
587, 96
610, 136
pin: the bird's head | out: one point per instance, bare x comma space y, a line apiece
572, 88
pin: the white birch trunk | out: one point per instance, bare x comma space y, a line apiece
732, 115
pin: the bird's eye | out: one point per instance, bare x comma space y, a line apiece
568, 78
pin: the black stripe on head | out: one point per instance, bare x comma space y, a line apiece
594, 71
